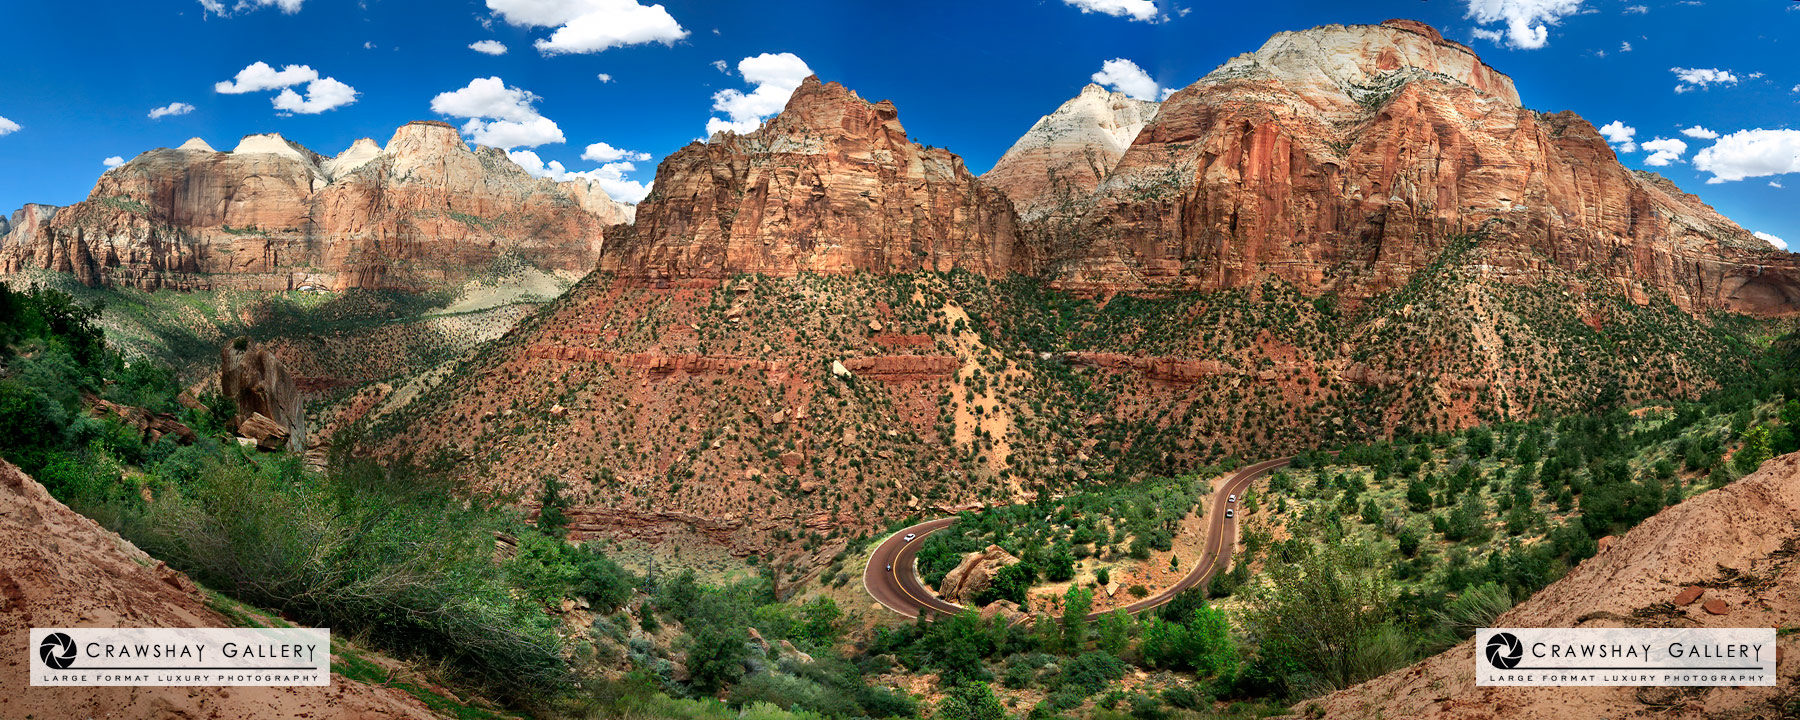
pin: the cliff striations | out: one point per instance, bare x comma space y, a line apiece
1342, 159
271, 215
831, 185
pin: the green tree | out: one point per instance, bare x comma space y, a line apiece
1061, 566
821, 622
1113, 632
972, 701
715, 657
1312, 613
1418, 495
1754, 451
552, 506
1076, 604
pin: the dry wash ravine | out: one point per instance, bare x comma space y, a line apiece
892, 578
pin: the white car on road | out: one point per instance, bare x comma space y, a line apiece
909, 537
1229, 513
1231, 498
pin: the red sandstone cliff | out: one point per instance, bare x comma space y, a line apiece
831, 185
1341, 158
275, 216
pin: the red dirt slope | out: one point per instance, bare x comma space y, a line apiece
1738, 543
60, 569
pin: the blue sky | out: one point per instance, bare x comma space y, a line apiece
81, 79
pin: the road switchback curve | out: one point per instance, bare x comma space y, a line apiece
893, 581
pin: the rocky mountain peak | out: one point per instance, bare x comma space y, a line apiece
1347, 65
830, 185
425, 137
830, 110
275, 144
1068, 152
195, 144
357, 155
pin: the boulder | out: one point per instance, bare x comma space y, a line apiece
261, 385
787, 648
974, 574
269, 435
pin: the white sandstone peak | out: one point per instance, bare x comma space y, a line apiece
357, 155
197, 145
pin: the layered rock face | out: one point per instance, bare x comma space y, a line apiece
1342, 158
831, 185
1065, 156
270, 408
271, 215
27, 222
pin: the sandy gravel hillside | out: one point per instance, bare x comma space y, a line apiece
60, 569
1737, 543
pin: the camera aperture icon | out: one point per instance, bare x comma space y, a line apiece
1504, 651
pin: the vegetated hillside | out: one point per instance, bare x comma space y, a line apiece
1737, 543
479, 603
60, 569
776, 413
335, 342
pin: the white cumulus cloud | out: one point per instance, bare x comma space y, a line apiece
1125, 76
1750, 153
1664, 151
8, 127
113, 162
605, 78
1700, 133
1701, 78
591, 26
1139, 10
488, 47
610, 176
1526, 21
1779, 243
603, 153
258, 76
498, 115
775, 77
1620, 134
321, 95
171, 109
217, 7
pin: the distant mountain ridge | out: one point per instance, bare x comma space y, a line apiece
273, 215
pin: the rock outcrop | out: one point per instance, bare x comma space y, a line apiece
270, 408
830, 185
27, 222
1343, 158
59, 569
272, 215
1065, 156
974, 574
1751, 526
152, 427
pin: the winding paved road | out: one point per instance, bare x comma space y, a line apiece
900, 590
